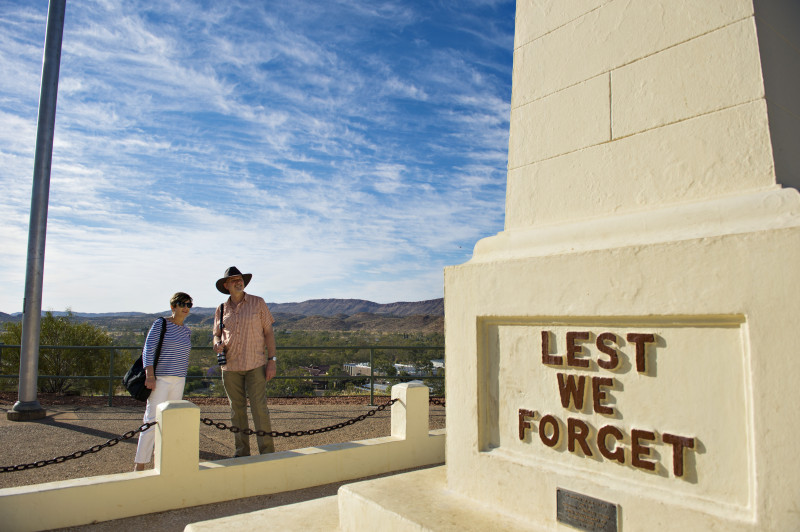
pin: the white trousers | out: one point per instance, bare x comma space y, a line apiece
167, 389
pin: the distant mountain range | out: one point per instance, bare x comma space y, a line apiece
312, 315
334, 307
312, 307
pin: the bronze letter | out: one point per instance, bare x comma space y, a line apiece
637, 449
640, 339
577, 431
552, 441
619, 452
678, 444
547, 358
613, 358
573, 350
568, 389
599, 394
525, 424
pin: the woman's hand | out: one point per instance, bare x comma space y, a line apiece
150, 383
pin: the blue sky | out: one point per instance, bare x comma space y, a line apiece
332, 148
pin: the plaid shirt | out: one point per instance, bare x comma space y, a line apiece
247, 330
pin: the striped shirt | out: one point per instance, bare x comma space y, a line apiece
174, 358
247, 330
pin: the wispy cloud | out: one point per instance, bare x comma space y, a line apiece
339, 148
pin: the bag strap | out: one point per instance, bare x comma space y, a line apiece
160, 342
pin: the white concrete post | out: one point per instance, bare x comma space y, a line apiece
177, 438
410, 412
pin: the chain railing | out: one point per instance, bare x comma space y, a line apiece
77, 454
210, 422
114, 380
288, 434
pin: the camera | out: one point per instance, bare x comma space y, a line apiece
222, 359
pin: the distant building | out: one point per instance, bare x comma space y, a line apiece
316, 371
408, 369
378, 387
355, 370
363, 368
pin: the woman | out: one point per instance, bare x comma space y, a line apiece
167, 379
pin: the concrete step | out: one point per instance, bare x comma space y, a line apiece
417, 501
318, 515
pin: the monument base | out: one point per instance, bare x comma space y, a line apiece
643, 371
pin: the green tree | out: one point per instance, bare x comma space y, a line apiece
336, 371
385, 367
202, 337
194, 384
65, 331
290, 387
436, 387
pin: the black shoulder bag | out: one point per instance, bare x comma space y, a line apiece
135, 377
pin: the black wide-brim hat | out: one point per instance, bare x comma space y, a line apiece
232, 272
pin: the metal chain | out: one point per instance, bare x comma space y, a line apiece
206, 421
287, 434
77, 454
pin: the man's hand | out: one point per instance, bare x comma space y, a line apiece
219, 347
272, 369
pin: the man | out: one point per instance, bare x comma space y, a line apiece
242, 332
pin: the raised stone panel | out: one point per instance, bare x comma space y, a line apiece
711, 72
714, 155
636, 393
563, 122
538, 17
612, 36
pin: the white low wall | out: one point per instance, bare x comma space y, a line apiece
178, 481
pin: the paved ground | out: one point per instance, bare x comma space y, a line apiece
74, 424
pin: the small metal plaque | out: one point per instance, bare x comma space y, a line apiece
584, 512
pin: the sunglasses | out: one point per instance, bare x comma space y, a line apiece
184, 304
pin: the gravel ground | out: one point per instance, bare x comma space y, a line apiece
77, 423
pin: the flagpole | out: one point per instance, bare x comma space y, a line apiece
27, 406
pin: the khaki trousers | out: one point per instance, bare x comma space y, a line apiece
241, 385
